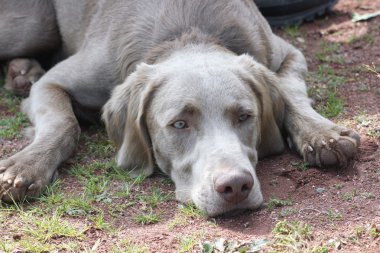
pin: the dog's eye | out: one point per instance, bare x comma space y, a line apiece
243, 117
180, 124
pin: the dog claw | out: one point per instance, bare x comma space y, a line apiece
19, 182
32, 187
323, 143
310, 148
9, 181
332, 141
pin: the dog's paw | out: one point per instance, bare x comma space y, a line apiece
21, 177
22, 73
331, 147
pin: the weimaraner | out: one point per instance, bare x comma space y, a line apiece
200, 89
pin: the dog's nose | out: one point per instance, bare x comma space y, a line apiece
234, 187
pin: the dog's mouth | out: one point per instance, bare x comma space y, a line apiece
226, 209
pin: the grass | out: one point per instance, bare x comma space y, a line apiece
364, 234
275, 202
99, 222
146, 218
97, 178
39, 233
9, 100
187, 243
333, 215
125, 191
368, 38
291, 236
362, 119
273, 182
154, 198
292, 31
76, 206
10, 127
368, 195
191, 211
50, 227
374, 231
333, 105
358, 233
348, 196
338, 186
288, 211
128, 246
373, 69
95, 185
11, 124
177, 221
302, 166
101, 147
375, 133
329, 53
324, 90
72, 205
28, 246
225, 245
368, 123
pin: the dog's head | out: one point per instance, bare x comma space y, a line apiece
200, 118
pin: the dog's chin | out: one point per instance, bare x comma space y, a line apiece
222, 208
227, 210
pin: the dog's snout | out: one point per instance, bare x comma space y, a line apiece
234, 187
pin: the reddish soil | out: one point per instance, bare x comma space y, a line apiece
332, 201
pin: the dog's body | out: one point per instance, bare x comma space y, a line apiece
205, 88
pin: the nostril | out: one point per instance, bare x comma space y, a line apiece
223, 188
228, 189
246, 187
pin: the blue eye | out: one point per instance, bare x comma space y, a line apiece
180, 124
243, 117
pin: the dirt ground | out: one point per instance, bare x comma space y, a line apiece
342, 206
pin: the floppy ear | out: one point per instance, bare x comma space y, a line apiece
263, 83
124, 116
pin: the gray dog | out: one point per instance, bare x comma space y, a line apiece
200, 88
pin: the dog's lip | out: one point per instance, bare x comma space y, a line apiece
226, 208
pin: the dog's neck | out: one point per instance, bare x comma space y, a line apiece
194, 37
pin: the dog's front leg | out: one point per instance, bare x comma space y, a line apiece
320, 141
57, 131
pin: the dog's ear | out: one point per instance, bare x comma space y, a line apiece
124, 116
263, 83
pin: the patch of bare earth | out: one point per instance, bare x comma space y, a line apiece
339, 204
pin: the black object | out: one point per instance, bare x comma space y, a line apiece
293, 12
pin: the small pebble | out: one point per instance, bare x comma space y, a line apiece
320, 190
301, 40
